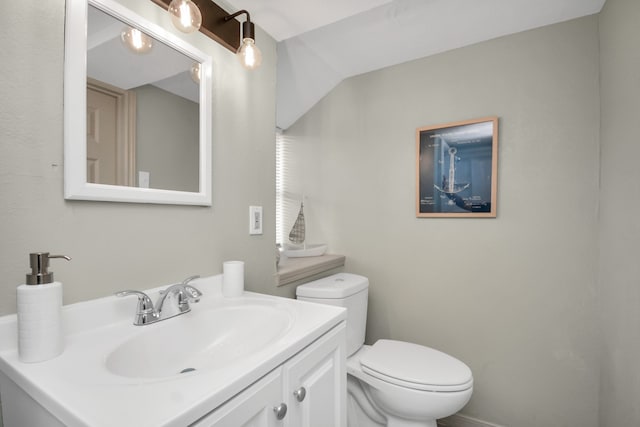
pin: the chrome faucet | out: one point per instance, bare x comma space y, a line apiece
147, 314
185, 293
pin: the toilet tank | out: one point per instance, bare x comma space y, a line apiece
344, 290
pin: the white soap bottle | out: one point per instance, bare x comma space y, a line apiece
40, 335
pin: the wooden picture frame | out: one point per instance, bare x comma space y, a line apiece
457, 169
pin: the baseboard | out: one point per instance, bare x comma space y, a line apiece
459, 420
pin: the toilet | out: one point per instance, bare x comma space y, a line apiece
390, 383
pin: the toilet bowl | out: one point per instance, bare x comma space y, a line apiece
390, 383
411, 401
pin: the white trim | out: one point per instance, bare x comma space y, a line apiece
75, 102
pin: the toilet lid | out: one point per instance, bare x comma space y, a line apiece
416, 366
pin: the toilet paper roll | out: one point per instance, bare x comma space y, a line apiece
233, 278
40, 335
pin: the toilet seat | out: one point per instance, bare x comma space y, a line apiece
416, 367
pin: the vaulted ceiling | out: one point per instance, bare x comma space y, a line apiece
322, 42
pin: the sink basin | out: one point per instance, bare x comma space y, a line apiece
199, 340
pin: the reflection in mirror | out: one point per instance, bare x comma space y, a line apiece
145, 96
146, 101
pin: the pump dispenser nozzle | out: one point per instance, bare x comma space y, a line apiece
40, 274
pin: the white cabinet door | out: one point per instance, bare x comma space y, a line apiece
309, 390
315, 383
254, 407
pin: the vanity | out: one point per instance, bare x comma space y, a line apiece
255, 360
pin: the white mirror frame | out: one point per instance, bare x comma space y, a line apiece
76, 186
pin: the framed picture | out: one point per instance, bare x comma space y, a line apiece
457, 167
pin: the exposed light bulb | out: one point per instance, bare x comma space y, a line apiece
249, 55
195, 72
136, 40
185, 15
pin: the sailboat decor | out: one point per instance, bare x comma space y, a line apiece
297, 233
298, 248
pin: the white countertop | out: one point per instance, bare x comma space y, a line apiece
78, 389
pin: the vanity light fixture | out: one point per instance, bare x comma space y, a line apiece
185, 15
135, 40
249, 55
213, 21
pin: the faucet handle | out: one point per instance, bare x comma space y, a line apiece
190, 278
144, 302
184, 286
145, 312
193, 292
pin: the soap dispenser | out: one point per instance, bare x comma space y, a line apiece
39, 300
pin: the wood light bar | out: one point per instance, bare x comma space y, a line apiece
214, 25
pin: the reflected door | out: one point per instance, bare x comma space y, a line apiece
101, 137
110, 135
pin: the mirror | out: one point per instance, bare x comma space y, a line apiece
137, 123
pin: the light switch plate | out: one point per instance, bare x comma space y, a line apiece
255, 220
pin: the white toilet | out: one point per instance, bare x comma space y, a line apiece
390, 383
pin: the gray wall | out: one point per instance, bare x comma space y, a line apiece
514, 297
116, 245
619, 198
167, 143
